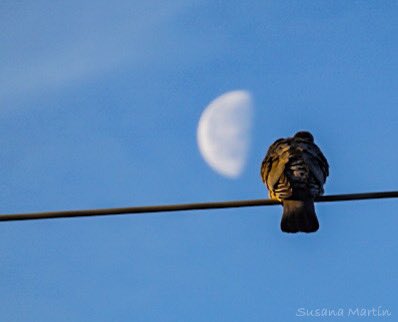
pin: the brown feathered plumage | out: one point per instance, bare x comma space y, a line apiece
294, 171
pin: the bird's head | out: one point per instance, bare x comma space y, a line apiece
304, 135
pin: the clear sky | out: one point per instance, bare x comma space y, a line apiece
99, 107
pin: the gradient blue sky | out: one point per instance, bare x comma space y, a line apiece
99, 105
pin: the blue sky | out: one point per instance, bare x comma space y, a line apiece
99, 106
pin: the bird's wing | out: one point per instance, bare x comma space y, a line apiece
274, 162
315, 160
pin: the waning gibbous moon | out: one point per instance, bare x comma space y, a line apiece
224, 132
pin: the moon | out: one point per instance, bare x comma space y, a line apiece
223, 133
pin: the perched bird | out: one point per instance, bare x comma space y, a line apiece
294, 171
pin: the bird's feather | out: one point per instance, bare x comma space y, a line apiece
294, 171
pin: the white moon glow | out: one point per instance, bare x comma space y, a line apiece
224, 132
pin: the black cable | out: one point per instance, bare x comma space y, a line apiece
185, 207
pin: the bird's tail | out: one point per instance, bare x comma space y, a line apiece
299, 215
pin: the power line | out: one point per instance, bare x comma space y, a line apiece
185, 207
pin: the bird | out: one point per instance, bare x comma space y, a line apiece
294, 171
